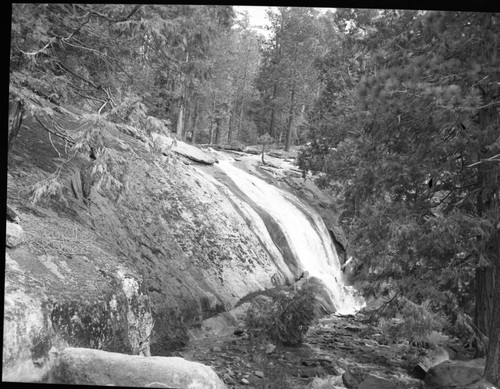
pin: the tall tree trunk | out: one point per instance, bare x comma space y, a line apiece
187, 121
492, 370
195, 124
230, 135
212, 120
238, 129
487, 313
180, 119
288, 140
273, 112
217, 131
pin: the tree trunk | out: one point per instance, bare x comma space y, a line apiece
217, 131
492, 370
180, 120
288, 140
187, 120
487, 312
238, 129
484, 302
230, 128
195, 124
212, 120
273, 112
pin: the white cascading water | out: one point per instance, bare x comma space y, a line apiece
311, 244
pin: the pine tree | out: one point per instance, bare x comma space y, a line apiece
417, 164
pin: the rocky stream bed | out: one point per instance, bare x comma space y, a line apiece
338, 352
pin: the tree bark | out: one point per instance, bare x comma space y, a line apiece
231, 123
180, 120
288, 139
217, 131
487, 313
273, 112
212, 120
492, 369
195, 124
238, 129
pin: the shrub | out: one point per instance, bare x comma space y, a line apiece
284, 318
400, 319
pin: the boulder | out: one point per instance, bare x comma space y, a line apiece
81, 366
435, 357
12, 214
374, 382
350, 380
193, 153
453, 374
330, 382
14, 235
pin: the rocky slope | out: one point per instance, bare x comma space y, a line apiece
129, 263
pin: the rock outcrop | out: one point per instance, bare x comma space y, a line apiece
455, 374
132, 257
14, 235
80, 366
193, 153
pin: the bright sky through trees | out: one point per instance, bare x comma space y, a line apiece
258, 17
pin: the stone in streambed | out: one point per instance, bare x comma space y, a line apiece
435, 357
350, 380
81, 366
452, 374
330, 382
270, 348
374, 382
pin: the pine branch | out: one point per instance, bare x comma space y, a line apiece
71, 141
490, 159
116, 20
38, 51
64, 67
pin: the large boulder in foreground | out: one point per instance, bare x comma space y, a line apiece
455, 374
82, 366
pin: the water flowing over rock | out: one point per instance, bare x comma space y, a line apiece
79, 366
305, 234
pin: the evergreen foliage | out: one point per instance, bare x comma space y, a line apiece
410, 145
285, 318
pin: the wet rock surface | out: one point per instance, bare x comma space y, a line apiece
333, 356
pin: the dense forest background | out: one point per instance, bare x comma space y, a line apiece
397, 113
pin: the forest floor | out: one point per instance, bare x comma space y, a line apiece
336, 344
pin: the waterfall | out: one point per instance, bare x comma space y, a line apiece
305, 232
